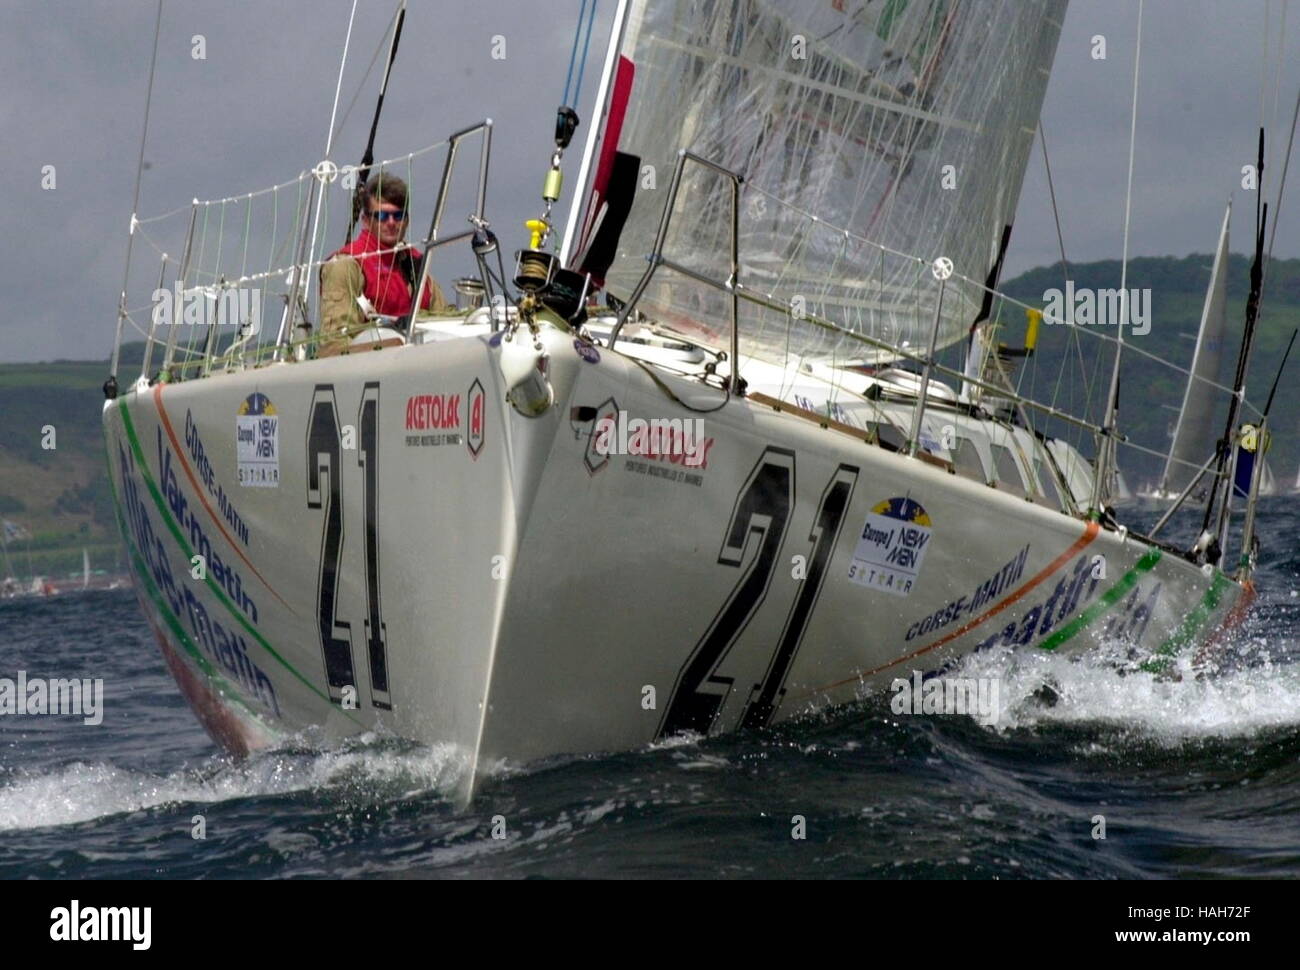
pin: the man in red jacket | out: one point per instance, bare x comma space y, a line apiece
377, 264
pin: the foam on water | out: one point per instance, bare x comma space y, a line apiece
1237, 703
79, 791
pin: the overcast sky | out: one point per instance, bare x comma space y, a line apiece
254, 111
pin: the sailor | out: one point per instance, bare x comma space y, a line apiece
378, 265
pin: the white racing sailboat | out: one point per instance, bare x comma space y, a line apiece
753, 488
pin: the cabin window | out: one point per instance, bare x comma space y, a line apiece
890, 437
1008, 470
966, 459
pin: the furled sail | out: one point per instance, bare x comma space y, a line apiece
1195, 434
906, 122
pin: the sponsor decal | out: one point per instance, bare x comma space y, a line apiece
674, 449
226, 648
477, 417
257, 442
587, 352
592, 458
832, 409
191, 525
203, 471
970, 603
437, 417
891, 548
1074, 591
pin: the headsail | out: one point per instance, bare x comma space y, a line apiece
1195, 433
907, 122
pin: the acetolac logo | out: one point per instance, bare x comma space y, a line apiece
429, 412
436, 417
433, 420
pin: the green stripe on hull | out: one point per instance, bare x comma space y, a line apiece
1190, 626
1108, 599
223, 685
212, 584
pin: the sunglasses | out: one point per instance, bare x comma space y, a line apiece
383, 216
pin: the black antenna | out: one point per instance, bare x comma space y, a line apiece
1281, 367
368, 158
1224, 448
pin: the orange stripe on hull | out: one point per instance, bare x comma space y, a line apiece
1089, 533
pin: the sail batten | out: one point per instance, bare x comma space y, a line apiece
871, 141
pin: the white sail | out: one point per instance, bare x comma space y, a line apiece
907, 123
1195, 434
85, 568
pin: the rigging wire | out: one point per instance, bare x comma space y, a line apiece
302, 280
1277, 202
573, 54
586, 45
338, 86
374, 58
1075, 342
572, 92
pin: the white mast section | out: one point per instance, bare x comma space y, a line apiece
1106, 451
329, 146
1213, 322
579, 200
135, 202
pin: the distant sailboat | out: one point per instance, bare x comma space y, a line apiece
1120, 491
1194, 435
85, 568
1267, 481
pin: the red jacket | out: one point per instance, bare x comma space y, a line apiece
386, 287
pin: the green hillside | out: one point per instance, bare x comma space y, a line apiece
60, 495
1150, 394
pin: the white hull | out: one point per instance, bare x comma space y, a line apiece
525, 592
